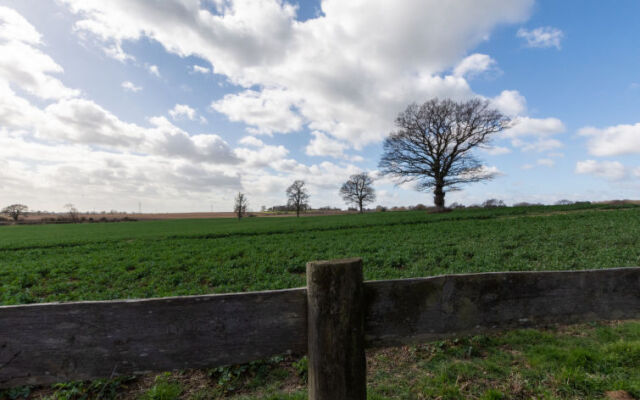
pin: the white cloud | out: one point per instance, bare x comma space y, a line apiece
322, 145
613, 140
542, 37
180, 111
535, 127
251, 141
474, 65
183, 111
267, 111
153, 70
200, 69
332, 72
130, 87
524, 129
23, 64
16, 28
510, 103
612, 170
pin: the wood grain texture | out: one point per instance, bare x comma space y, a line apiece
56, 342
45, 343
415, 310
335, 306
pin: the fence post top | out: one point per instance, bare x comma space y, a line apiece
345, 262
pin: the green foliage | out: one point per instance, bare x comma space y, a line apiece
100, 389
163, 389
302, 368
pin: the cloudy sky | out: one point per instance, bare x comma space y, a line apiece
180, 104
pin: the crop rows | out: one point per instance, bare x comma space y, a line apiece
165, 258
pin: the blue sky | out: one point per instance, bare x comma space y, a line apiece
179, 105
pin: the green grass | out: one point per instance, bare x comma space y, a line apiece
165, 258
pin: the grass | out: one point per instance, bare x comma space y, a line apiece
166, 258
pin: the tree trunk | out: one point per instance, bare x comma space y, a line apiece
360, 204
438, 197
298, 211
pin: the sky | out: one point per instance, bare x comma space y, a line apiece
177, 105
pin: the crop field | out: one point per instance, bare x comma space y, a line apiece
178, 257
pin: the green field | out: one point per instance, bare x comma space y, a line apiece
163, 258
178, 257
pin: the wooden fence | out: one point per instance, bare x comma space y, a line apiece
332, 320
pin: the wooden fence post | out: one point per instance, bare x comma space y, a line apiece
335, 330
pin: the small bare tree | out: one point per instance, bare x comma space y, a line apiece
434, 141
72, 211
297, 197
240, 205
15, 210
358, 190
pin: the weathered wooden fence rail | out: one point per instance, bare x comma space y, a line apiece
332, 320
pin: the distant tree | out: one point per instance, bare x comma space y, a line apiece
15, 210
72, 211
297, 197
434, 141
492, 203
456, 205
563, 203
358, 190
240, 205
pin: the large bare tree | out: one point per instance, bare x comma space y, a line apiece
297, 196
358, 190
240, 205
15, 210
434, 141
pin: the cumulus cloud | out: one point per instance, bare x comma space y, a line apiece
322, 145
542, 37
332, 72
612, 170
23, 64
510, 103
200, 69
180, 111
613, 140
474, 65
267, 111
251, 141
183, 111
153, 70
131, 87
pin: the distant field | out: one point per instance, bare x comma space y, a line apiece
176, 257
